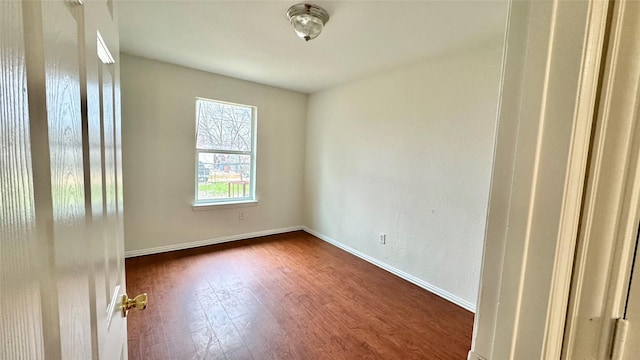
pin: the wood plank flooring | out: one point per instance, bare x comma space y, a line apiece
288, 296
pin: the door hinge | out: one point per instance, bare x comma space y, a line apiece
619, 339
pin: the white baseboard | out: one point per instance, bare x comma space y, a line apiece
410, 278
220, 240
475, 356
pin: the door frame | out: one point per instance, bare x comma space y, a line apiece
611, 209
551, 67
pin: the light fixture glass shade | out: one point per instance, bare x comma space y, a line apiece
306, 26
307, 20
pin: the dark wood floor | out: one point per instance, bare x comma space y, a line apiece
289, 296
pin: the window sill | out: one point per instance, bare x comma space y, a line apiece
224, 205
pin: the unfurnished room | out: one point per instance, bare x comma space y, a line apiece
324, 180
377, 139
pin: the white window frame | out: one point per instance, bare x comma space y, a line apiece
251, 198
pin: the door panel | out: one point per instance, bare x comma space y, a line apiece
21, 328
102, 68
109, 189
62, 72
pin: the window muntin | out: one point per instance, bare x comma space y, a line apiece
225, 152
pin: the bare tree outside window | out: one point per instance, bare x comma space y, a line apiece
225, 151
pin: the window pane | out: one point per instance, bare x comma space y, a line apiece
222, 126
223, 176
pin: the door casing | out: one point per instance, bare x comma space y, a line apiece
611, 209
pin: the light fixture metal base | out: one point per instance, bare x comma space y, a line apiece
308, 20
310, 9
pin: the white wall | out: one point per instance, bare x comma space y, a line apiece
409, 153
158, 111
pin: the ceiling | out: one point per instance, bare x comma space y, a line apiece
253, 40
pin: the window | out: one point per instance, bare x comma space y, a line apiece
225, 152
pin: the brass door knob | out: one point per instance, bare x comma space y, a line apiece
139, 302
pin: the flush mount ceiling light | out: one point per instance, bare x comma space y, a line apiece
307, 20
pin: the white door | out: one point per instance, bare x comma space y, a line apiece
61, 244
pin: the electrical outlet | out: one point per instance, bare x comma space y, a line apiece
241, 215
382, 239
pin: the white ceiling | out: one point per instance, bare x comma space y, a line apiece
253, 40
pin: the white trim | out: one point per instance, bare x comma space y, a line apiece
474, 356
253, 154
575, 176
223, 205
612, 199
219, 240
548, 93
408, 277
